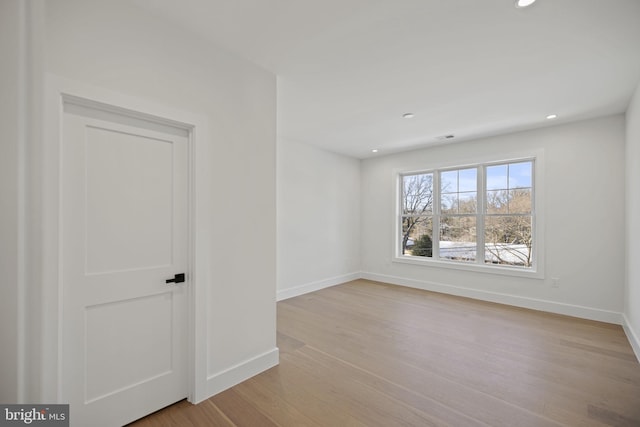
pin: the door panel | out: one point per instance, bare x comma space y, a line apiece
140, 346
124, 232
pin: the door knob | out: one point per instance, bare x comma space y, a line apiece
178, 278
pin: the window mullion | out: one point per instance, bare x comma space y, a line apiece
481, 203
534, 222
400, 217
435, 239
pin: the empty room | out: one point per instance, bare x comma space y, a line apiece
320, 213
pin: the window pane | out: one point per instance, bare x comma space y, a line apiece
459, 180
467, 203
467, 180
449, 203
417, 194
520, 200
416, 236
449, 182
458, 191
520, 175
508, 240
509, 201
458, 238
497, 202
497, 177
509, 188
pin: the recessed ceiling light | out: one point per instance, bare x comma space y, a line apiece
374, 151
552, 116
524, 3
408, 115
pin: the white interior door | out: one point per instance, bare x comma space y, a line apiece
124, 233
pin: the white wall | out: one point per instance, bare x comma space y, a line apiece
318, 219
10, 87
584, 220
113, 45
632, 297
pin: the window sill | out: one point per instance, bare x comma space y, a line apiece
479, 268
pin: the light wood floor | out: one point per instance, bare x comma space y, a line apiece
371, 354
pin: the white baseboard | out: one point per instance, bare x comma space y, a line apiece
316, 286
517, 301
234, 375
632, 336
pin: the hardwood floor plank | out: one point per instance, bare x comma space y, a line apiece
312, 397
428, 380
368, 404
429, 394
287, 344
240, 411
271, 402
371, 354
185, 414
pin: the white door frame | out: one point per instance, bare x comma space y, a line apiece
58, 92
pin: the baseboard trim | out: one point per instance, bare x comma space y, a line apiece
234, 375
316, 286
517, 301
631, 336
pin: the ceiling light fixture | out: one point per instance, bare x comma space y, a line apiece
524, 3
552, 116
408, 115
374, 151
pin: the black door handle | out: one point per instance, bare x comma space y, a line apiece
178, 278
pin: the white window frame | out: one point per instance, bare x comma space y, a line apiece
479, 265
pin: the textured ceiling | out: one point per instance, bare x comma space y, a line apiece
348, 69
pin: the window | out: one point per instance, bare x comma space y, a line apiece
475, 215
